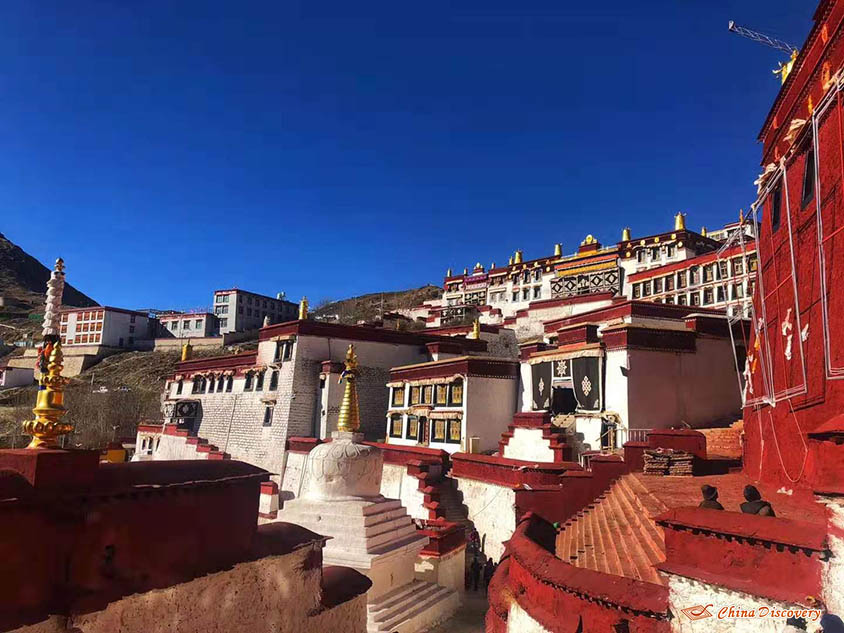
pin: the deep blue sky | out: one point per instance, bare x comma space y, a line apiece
166, 149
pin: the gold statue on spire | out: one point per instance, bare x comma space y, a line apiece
303, 308
349, 418
49, 409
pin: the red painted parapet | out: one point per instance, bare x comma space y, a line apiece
444, 537
303, 444
771, 557
402, 455
686, 440
532, 419
634, 456
509, 472
102, 538
563, 598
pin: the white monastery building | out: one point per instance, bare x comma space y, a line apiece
239, 310
107, 326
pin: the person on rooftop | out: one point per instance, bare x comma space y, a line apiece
710, 498
754, 503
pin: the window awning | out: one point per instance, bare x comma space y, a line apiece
590, 350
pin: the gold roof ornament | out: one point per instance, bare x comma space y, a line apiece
476, 329
303, 309
49, 409
741, 216
478, 266
465, 271
680, 221
510, 261
187, 351
558, 249
449, 272
589, 240
625, 234
703, 231
517, 258
349, 419
492, 265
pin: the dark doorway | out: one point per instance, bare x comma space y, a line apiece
563, 400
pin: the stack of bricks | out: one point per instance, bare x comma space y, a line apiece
724, 442
668, 462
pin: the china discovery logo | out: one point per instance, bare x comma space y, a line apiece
697, 612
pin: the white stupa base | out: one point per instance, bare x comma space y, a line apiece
415, 606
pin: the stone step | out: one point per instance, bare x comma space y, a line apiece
617, 533
383, 608
418, 611
630, 545
653, 537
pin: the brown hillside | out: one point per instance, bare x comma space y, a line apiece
23, 282
368, 307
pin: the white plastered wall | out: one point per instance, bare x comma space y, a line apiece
529, 445
491, 509
490, 405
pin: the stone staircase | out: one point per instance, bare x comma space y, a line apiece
450, 500
413, 607
616, 534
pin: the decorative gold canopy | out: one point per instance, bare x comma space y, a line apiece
303, 308
349, 418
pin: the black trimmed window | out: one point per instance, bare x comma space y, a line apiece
210, 386
808, 178
414, 429
229, 384
179, 386
455, 433
247, 384
398, 396
776, 208
455, 394
395, 429
428, 394
274, 380
695, 299
438, 430
197, 384
259, 384
268, 416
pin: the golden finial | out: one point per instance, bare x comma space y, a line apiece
680, 221
625, 234
703, 231
510, 261
558, 249
49, 409
492, 265
589, 240
741, 216
187, 351
476, 329
303, 308
449, 272
465, 271
349, 419
517, 259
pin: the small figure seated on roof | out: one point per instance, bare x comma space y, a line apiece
755, 504
710, 498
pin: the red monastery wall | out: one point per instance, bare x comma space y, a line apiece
796, 355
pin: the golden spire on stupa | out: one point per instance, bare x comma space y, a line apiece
349, 418
49, 409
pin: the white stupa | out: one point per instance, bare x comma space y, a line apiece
370, 533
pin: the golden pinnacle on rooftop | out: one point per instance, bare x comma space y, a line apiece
303, 308
558, 249
476, 329
348, 420
625, 234
703, 231
680, 221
